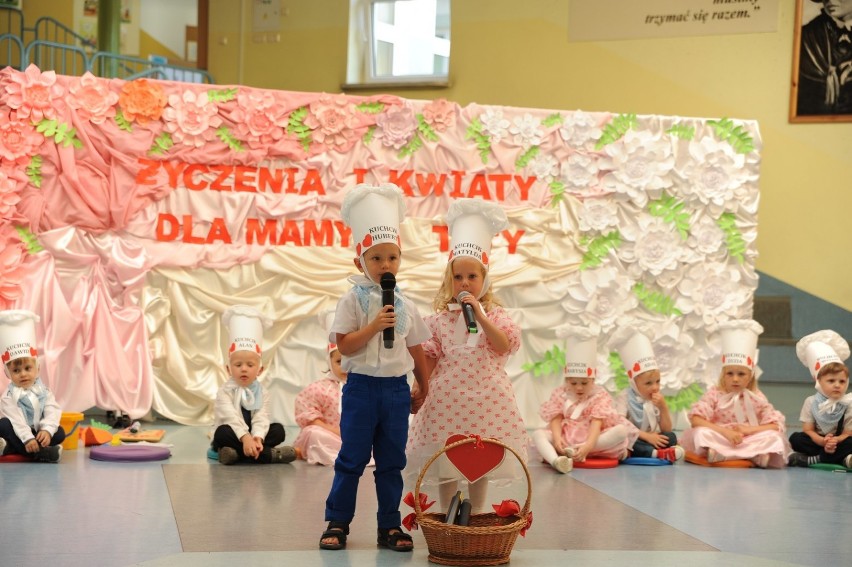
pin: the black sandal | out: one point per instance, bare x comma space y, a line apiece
391, 540
337, 530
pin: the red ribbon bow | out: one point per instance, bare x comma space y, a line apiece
410, 521
478, 444
508, 508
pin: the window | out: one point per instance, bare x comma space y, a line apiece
398, 41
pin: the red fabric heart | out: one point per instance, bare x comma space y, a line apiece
474, 460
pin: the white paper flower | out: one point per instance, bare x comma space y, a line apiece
601, 296
676, 356
655, 248
640, 166
580, 130
544, 166
712, 292
525, 131
494, 125
706, 239
597, 214
716, 176
579, 173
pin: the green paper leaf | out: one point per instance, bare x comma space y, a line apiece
616, 129
34, 170
737, 136
414, 144
682, 131
552, 120
656, 301
296, 127
525, 158
557, 192
483, 143
224, 134
29, 239
733, 236
122, 122
371, 107
425, 130
552, 362
617, 367
685, 398
221, 95
671, 211
60, 132
162, 144
368, 137
599, 248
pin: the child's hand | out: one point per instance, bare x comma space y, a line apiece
249, 446
32, 446
582, 452
418, 398
830, 443
659, 441
658, 400
386, 318
560, 448
733, 436
477, 308
43, 438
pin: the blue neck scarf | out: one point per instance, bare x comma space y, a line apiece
827, 415
364, 289
23, 397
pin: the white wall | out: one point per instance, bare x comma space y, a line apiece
166, 21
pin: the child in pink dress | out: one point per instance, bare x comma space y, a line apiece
581, 416
469, 390
734, 420
318, 414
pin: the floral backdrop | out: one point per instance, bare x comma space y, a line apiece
134, 213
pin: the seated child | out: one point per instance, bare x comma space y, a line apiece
643, 404
581, 417
30, 422
241, 414
318, 414
734, 420
826, 435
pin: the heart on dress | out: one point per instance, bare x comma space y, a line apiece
473, 461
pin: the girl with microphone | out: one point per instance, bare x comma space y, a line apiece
469, 390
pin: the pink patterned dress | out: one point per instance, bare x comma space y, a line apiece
575, 429
469, 394
723, 409
320, 400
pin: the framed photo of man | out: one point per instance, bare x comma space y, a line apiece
822, 62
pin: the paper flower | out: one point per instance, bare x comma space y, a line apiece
706, 238
92, 99
494, 125
259, 119
19, 139
580, 130
713, 292
396, 126
191, 119
440, 114
579, 174
33, 94
9, 196
333, 120
601, 296
544, 166
640, 166
676, 355
142, 101
716, 176
653, 246
526, 131
597, 214
12, 272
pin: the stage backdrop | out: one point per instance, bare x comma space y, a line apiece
134, 213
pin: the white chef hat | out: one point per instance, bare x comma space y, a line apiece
636, 352
739, 342
245, 328
472, 224
17, 335
821, 348
581, 351
374, 213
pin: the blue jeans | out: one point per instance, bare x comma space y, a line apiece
16, 446
374, 421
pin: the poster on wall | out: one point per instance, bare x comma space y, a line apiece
822, 62
86, 24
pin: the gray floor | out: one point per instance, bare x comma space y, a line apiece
190, 511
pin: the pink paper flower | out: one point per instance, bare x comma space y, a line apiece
440, 114
33, 94
12, 272
142, 101
191, 118
8, 196
19, 139
259, 119
92, 99
332, 120
396, 126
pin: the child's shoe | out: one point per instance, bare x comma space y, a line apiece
847, 462
283, 454
671, 454
228, 455
50, 454
2, 445
562, 464
570, 452
713, 456
761, 460
797, 460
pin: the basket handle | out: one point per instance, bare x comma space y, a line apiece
471, 439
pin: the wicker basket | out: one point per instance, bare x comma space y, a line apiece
487, 540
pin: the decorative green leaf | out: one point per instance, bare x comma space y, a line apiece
122, 122
682, 131
671, 211
656, 301
425, 130
552, 363
599, 249
483, 143
224, 134
368, 137
60, 132
557, 192
614, 131
221, 95
162, 144
296, 127
371, 107
29, 239
34, 170
735, 135
414, 144
525, 158
617, 367
552, 120
685, 397
733, 236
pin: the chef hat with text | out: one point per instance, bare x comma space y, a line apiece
739, 342
820, 349
245, 329
472, 224
581, 351
17, 335
636, 352
374, 213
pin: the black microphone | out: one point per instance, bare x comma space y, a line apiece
469, 317
388, 282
